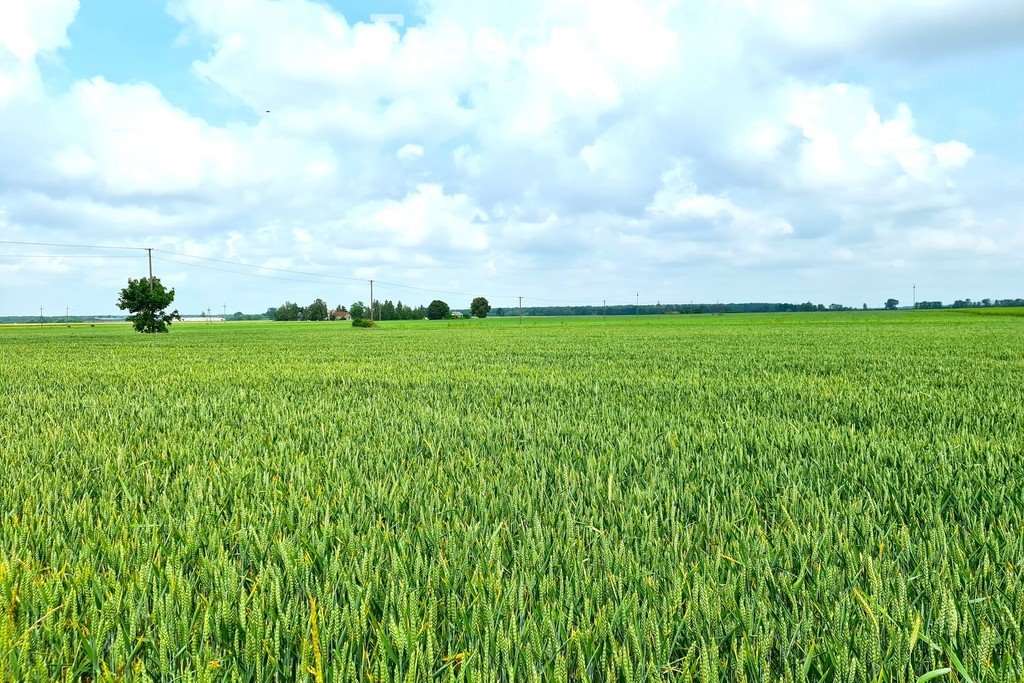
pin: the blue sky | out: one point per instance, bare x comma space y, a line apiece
745, 150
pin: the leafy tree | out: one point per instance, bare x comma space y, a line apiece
480, 307
316, 310
359, 310
147, 301
289, 310
387, 311
891, 304
438, 310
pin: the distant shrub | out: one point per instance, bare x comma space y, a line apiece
362, 322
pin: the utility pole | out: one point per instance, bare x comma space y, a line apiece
371, 301
67, 316
604, 302
40, 316
149, 252
520, 310
225, 311
638, 304
915, 295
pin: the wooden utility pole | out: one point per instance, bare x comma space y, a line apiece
40, 316
638, 304
371, 301
520, 310
604, 302
149, 252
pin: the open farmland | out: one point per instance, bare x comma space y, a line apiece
833, 497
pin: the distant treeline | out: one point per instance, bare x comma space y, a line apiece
967, 303
661, 309
753, 307
318, 310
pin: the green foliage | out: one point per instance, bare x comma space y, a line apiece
891, 304
288, 311
359, 310
824, 497
480, 307
396, 311
363, 322
316, 311
147, 301
438, 310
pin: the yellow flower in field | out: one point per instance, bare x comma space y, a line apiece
214, 665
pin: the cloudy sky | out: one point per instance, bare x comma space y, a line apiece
562, 150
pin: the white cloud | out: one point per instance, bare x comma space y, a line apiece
912, 28
564, 136
832, 138
425, 218
410, 152
679, 199
30, 27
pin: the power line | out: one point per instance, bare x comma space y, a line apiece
93, 256
70, 246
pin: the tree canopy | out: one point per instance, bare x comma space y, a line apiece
359, 310
480, 307
147, 301
289, 310
316, 310
438, 310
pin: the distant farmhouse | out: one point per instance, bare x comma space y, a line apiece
201, 319
340, 313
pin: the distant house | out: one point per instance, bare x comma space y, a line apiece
340, 313
456, 314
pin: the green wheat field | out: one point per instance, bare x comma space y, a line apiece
820, 497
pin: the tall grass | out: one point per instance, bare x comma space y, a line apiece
738, 498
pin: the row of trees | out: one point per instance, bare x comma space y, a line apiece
290, 310
480, 308
967, 303
387, 310
670, 309
382, 310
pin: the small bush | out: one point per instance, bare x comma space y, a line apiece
361, 322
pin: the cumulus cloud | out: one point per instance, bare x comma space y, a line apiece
28, 29
834, 137
410, 152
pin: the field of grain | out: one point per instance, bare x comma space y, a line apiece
824, 497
